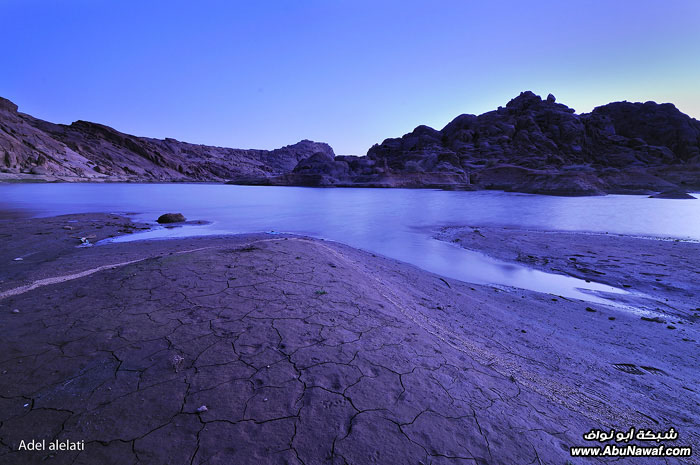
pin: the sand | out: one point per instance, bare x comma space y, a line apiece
306, 351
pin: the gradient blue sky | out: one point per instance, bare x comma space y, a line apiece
351, 73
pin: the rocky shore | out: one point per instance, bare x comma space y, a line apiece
530, 145
285, 349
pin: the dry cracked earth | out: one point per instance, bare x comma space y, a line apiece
302, 352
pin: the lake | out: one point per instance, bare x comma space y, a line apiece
396, 223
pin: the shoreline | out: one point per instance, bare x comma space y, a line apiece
310, 351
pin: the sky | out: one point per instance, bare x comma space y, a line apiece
267, 73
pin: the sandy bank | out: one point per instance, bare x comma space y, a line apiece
307, 351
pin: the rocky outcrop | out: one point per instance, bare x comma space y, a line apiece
657, 125
673, 194
94, 152
541, 146
171, 218
530, 145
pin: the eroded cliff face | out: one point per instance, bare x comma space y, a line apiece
536, 145
87, 151
531, 145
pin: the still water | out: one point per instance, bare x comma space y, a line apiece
393, 222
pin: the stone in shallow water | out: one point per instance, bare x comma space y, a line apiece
171, 218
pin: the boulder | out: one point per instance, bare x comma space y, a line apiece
171, 218
39, 170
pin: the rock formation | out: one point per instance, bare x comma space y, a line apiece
673, 194
171, 218
530, 145
94, 152
535, 145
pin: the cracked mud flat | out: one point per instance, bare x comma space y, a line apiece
306, 351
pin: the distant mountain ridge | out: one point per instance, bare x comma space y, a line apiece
531, 145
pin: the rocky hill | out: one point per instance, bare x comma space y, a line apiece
531, 145
83, 151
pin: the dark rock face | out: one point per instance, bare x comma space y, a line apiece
7, 105
171, 218
528, 180
320, 169
540, 146
672, 194
530, 145
657, 125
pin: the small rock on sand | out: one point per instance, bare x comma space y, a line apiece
15, 311
202, 409
176, 362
